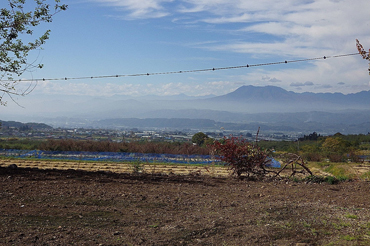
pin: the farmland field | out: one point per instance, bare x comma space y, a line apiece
174, 205
118, 167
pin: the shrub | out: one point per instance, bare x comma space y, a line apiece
335, 157
312, 156
354, 156
242, 157
366, 175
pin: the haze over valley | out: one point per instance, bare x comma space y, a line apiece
246, 108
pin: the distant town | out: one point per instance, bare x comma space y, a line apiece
42, 131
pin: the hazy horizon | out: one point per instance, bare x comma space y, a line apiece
247, 104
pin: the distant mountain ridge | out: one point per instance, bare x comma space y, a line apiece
252, 93
269, 105
253, 99
276, 94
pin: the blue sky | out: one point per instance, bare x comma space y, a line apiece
108, 37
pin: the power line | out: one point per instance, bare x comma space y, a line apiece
189, 71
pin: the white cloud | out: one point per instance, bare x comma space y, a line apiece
267, 78
299, 84
142, 9
233, 19
110, 89
351, 71
303, 27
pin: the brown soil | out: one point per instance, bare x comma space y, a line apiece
68, 207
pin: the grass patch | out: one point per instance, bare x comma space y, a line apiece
137, 167
340, 225
349, 238
351, 216
341, 171
366, 176
321, 179
154, 226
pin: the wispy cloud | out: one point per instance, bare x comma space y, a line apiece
266, 30
143, 9
267, 78
109, 89
303, 27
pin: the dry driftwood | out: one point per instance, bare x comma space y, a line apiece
294, 161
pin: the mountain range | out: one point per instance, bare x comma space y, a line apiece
271, 106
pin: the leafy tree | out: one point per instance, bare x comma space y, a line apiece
199, 138
335, 147
17, 24
334, 144
242, 157
311, 152
208, 141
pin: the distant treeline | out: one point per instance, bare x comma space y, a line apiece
336, 148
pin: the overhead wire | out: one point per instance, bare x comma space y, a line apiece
189, 71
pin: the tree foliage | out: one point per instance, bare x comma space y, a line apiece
199, 138
334, 144
17, 25
242, 157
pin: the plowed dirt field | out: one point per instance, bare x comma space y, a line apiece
79, 207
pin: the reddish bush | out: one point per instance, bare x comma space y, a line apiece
242, 157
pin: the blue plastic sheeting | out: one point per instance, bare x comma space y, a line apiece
274, 163
119, 157
111, 156
364, 157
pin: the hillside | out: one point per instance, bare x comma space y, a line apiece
19, 125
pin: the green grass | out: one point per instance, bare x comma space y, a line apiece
340, 171
349, 238
366, 176
351, 216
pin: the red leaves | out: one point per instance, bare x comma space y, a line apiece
361, 50
242, 156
